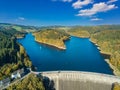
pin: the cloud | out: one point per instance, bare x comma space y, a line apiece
67, 0
111, 1
97, 8
96, 19
79, 4
62, 0
21, 18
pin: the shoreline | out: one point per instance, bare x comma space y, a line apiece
80, 36
114, 69
52, 45
20, 37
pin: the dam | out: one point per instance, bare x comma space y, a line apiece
77, 80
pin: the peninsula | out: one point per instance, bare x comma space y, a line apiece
52, 37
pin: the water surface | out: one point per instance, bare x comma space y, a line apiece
80, 55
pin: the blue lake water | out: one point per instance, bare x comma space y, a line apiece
80, 55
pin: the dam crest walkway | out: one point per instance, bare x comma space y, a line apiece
77, 80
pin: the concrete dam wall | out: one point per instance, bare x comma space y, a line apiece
73, 80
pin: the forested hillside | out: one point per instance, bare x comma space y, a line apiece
52, 37
19, 28
29, 83
107, 37
109, 42
12, 54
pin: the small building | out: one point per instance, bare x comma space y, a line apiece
4, 82
0, 83
17, 74
21, 72
14, 75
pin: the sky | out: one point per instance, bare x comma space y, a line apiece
60, 12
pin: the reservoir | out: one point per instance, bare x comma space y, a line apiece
80, 55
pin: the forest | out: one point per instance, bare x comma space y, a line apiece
107, 37
52, 37
12, 54
32, 82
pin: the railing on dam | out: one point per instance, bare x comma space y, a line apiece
77, 80
82, 72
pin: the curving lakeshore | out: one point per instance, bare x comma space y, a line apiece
74, 80
80, 55
52, 38
63, 47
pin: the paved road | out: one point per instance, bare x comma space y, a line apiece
16, 81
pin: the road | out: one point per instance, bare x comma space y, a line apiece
16, 81
59, 77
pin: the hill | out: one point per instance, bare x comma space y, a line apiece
19, 28
107, 37
52, 37
12, 55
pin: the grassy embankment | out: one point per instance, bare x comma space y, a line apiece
116, 86
52, 37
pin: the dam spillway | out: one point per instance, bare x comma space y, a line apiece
75, 80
